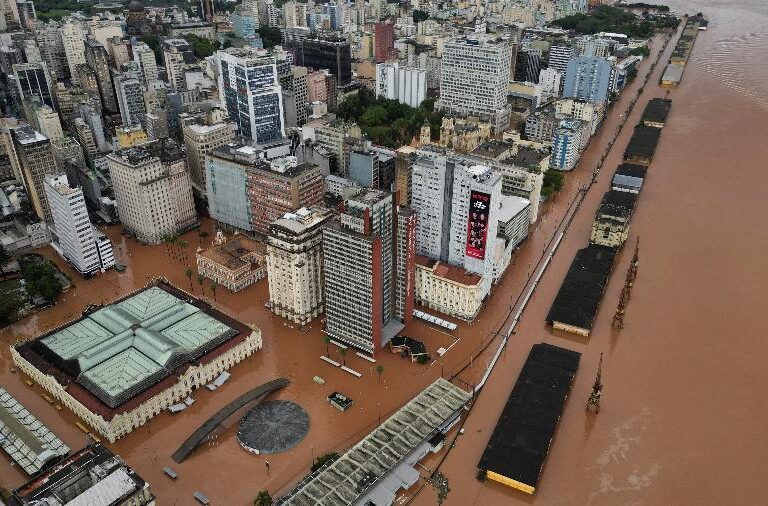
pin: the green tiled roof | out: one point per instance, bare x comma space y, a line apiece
124, 348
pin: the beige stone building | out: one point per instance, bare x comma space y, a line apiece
153, 191
463, 135
234, 263
202, 134
611, 225
448, 289
295, 264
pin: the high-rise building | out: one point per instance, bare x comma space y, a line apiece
203, 134
334, 56
97, 57
383, 42
33, 159
33, 80
84, 136
177, 54
152, 190
560, 54
474, 77
249, 89
404, 157
72, 235
73, 38
48, 123
588, 78
457, 200
67, 150
368, 293
52, 51
129, 89
406, 85
296, 98
295, 14
566, 145
227, 189
207, 10
145, 58
295, 264
550, 81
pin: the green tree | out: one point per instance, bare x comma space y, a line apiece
201, 46
9, 304
263, 499
379, 370
419, 16
327, 341
41, 279
200, 281
269, 36
188, 273
553, 182
214, 286
343, 353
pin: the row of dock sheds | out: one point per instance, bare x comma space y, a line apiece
576, 304
673, 74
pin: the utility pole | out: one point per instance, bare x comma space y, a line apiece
597, 388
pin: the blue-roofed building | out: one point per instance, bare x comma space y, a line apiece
566, 145
588, 78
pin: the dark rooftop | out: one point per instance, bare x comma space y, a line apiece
526, 428
631, 170
527, 157
492, 149
618, 204
579, 297
643, 144
657, 110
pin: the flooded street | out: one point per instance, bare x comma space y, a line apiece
682, 418
682, 411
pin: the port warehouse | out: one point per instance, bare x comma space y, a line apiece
673, 74
578, 300
519, 445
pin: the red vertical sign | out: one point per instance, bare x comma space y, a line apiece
477, 224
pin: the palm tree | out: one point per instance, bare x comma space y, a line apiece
343, 352
379, 369
327, 341
183, 245
214, 285
263, 499
188, 272
200, 280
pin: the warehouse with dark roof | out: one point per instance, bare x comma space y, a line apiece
642, 145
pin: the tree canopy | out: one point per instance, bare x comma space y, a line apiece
41, 279
605, 18
201, 46
269, 36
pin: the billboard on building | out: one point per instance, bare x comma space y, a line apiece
477, 224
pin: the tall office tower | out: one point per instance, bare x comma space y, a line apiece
27, 13
365, 295
334, 56
9, 11
31, 51
588, 78
404, 158
87, 80
84, 136
157, 125
177, 53
296, 98
203, 134
67, 150
474, 78
457, 200
73, 38
33, 80
566, 145
529, 63
550, 81
295, 14
119, 51
145, 58
72, 235
559, 55
51, 43
153, 191
249, 89
33, 159
129, 89
48, 123
97, 58
207, 10
383, 42
295, 264
370, 166
406, 85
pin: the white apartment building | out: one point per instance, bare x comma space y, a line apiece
295, 264
457, 201
550, 81
295, 14
145, 57
473, 79
176, 53
72, 235
404, 84
591, 112
153, 191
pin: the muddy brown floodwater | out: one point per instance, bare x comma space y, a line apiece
684, 405
683, 408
